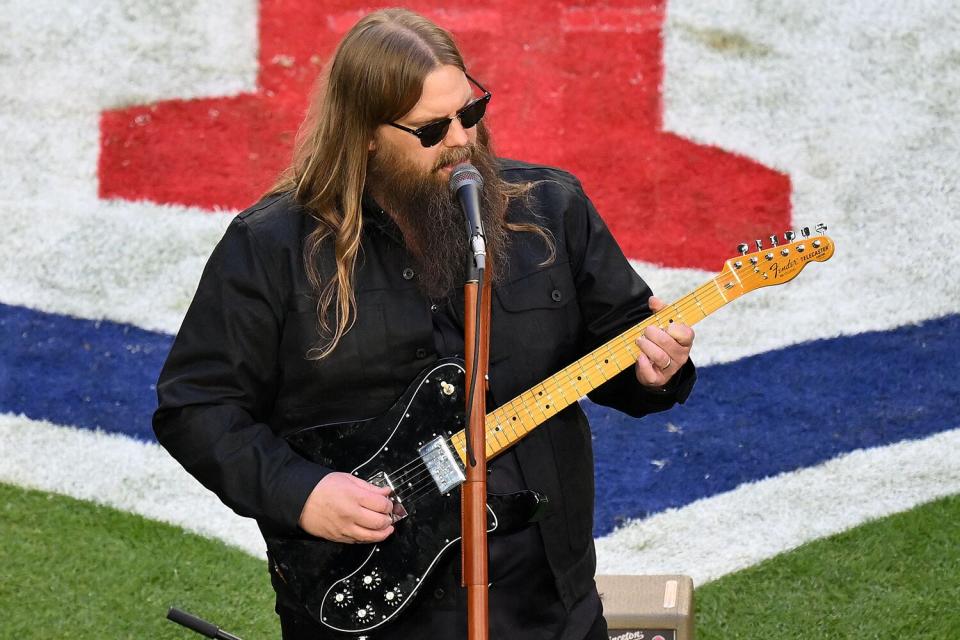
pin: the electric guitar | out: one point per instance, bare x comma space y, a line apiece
418, 449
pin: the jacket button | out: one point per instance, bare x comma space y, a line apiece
421, 353
556, 295
408, 274
438, 593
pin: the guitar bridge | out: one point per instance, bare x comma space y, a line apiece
442, 464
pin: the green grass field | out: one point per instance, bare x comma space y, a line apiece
71, 569
891, 578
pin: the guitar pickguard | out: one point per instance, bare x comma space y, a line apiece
356, 588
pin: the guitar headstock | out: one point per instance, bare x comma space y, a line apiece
781, 261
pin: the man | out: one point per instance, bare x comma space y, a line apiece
325, 300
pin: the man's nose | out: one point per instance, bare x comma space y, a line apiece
456, 135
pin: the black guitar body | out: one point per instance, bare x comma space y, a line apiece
359, 588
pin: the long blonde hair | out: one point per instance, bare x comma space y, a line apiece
376, 76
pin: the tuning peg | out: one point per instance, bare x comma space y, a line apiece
774, 241
789, 236
805, 232
821, 228
743, 248
759, 244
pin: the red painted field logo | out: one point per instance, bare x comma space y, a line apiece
574, 86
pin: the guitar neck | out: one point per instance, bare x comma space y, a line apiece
508, 424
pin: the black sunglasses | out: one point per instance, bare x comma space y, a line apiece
433, 132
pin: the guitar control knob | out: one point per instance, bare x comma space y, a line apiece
365, 614
393, 597
371, 580
343, 598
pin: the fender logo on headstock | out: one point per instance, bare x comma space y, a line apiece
785, 269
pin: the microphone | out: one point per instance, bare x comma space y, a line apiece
465, 184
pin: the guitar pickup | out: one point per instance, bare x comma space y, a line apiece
381, 479
442, 464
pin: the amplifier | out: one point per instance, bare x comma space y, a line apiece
647, 607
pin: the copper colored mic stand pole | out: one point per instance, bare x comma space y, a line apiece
474, 491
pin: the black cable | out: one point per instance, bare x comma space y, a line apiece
473, 374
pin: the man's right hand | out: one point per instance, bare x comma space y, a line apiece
344, 508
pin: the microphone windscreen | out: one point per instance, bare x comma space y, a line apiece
464, 173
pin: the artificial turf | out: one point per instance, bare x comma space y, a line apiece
897, 577
74, 569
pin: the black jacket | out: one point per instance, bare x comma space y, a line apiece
237, 378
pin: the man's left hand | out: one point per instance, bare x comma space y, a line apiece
662, 353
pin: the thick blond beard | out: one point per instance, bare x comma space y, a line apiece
431, 221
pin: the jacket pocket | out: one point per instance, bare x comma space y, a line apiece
536, 318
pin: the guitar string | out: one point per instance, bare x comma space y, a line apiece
418, 489
421, 488
680, 306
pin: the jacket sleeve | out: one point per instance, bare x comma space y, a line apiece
218, 386
613, 298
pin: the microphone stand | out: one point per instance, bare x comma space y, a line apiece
474, 491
